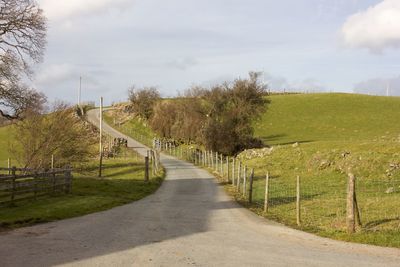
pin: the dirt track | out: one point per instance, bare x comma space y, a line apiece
189, 221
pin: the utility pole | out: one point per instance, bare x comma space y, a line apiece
80, 91
101, 135
387, 89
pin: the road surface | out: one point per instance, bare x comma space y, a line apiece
189, 221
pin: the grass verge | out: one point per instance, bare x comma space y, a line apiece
122, 183
134, 127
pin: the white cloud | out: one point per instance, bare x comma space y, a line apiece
60, 10
376, 28
182, 63
55, 74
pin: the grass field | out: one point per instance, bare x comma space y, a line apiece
329, 117
122, 183
336, 134
134, 128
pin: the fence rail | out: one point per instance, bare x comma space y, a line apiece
20, 184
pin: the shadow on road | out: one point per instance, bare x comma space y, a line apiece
181, 207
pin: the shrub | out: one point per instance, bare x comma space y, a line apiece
60, 133
143, 100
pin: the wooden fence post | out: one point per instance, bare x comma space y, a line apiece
9, 166
227, 169
222, 165
54, 180
13, 173
35, 182
216, 161
157, 154
251, 186
238, 176
266, 197
357, 211
298, 219
146, 171
233, 171
153, 163
244, 180
101, 137
350, 221
68, 180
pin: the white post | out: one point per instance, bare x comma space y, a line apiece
80, 91
101, 135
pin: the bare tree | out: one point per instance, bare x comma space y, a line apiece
22, 43
60, 133
142, 100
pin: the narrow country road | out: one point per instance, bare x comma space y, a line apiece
189, 221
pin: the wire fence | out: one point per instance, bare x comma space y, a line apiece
308, 203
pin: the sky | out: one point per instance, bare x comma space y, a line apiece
302, 45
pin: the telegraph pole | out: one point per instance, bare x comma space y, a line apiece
387, 89
80, 91
101, 135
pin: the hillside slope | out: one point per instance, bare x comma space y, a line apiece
337, 134
329, 117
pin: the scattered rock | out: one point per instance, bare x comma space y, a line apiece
390, 190
295, 144
256, 153
394, 166
324, 164
345, 154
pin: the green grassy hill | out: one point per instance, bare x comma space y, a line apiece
329, 117
337, 134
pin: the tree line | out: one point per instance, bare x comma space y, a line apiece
219, 118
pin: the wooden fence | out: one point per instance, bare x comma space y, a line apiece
20, 184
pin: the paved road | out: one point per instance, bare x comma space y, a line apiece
189, 221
